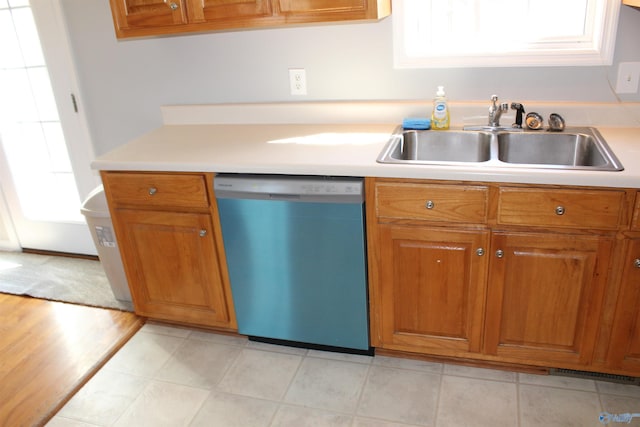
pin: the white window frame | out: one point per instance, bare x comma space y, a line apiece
595, 49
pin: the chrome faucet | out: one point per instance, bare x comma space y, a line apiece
495, 111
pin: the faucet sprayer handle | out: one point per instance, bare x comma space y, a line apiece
519, 112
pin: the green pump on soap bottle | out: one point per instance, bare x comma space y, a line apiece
440, 113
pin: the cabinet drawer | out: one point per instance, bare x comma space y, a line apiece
438, 203
157, 190
560, 208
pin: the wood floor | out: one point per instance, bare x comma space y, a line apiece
48, 350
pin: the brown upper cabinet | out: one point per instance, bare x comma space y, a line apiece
138, 18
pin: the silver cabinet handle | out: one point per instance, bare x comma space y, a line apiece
152, 191
499, 253
430, 204
203, 232
173, 5
560, 210
636, 263
480, 251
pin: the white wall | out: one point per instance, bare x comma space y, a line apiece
124, 83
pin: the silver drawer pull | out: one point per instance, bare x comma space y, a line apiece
480, 251
203, 232
560, 210
499, 253
152, 191
636, 263
430, 204
173, 5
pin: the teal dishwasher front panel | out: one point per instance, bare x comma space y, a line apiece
298, 270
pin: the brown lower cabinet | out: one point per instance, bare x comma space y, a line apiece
434, 292
545, 276
520, 275
624, 348
544, 296
169, 237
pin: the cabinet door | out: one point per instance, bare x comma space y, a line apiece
624, 348
431, 288
141, 14
215, 10
173, 266
544, 296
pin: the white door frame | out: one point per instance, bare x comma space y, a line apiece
8, 238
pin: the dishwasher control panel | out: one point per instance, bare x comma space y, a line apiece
288, 187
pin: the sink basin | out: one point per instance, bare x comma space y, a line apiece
440, 147
574, 149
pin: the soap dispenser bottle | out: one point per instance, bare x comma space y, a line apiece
440, 113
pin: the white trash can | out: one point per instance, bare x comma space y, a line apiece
96, 212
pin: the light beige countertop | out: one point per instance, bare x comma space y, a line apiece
335, 149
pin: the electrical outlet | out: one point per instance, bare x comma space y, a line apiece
628, 76
298, 81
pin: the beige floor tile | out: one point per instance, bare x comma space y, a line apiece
236, 340
346, 357
163, 405
617, 389
144, 354
400, 395
328, 384
261, 374
482, 373
104, 398
166, 376
554, 407
616, 405
59, 421
295, 416
367, 422
477, 402
402, 363
257, 345
228, 410
198, 363
558, 381
157, 328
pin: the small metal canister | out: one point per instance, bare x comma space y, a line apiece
534, 121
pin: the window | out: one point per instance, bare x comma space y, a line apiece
503, 33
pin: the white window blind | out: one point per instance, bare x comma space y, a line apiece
489, 33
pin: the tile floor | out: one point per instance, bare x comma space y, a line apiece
168, 376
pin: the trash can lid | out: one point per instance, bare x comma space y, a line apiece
95, 205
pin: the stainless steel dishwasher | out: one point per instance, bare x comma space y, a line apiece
295, 250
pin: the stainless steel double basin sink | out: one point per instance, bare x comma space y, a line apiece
573, 149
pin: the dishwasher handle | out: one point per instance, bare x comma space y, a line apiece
288, 197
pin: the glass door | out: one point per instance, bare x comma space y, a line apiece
40, 128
